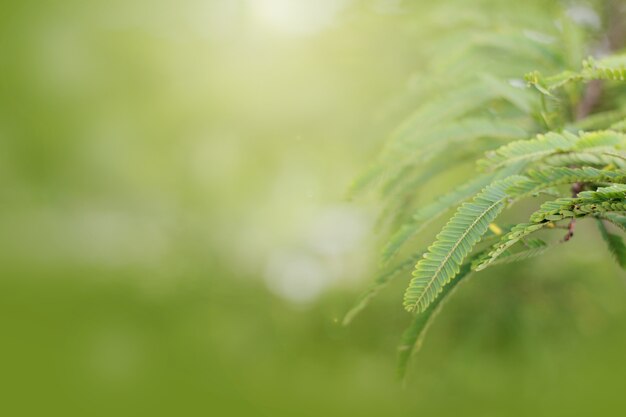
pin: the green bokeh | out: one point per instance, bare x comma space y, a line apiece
176, 239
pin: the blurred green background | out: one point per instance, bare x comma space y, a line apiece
176, 239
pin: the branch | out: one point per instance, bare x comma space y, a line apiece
615, 38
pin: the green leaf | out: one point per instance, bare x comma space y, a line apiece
412, 337
618, 220
615, 244
539, 180
452, 104
427, 144
612, 118
550, 144
598, 202
453, 244
603, 199
589, 158
528, 150
427, 214
531, 249
599, 139
518, 232
463, 53
412, 186
612, 68
381, 281
430, 141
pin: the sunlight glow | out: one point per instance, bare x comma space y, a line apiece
297, 17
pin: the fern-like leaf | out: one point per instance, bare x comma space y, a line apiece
599, 202
444, 257
618, 220
529, 150
589, 158
531, 249
539, 180
516, 234
429, 141
613, 68
450, 105
612, 118
614, 243
428, 144
550, 144
412, 337
381, 281
427, 214
605, 199
401, 204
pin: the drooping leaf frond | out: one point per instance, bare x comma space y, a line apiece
517, 45
444, 257
607, 139
518, 232
600, 158
468, 108
618, 220
550, 144
401, 203
428, 144
381, 281
612, 118
425, 215
531, 248
430, 141
539, 180
599, 202
603, 199
450, 105
528, 150
614, 243
412, 337
453, 114
613, 68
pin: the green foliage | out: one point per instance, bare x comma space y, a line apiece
611, 68
539, 180
412, 338
532, 248
599, 158
443, 260
383, 279
614, 243
550, 144
519, 232
560, 135
431, 212
617, 219
528, 150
